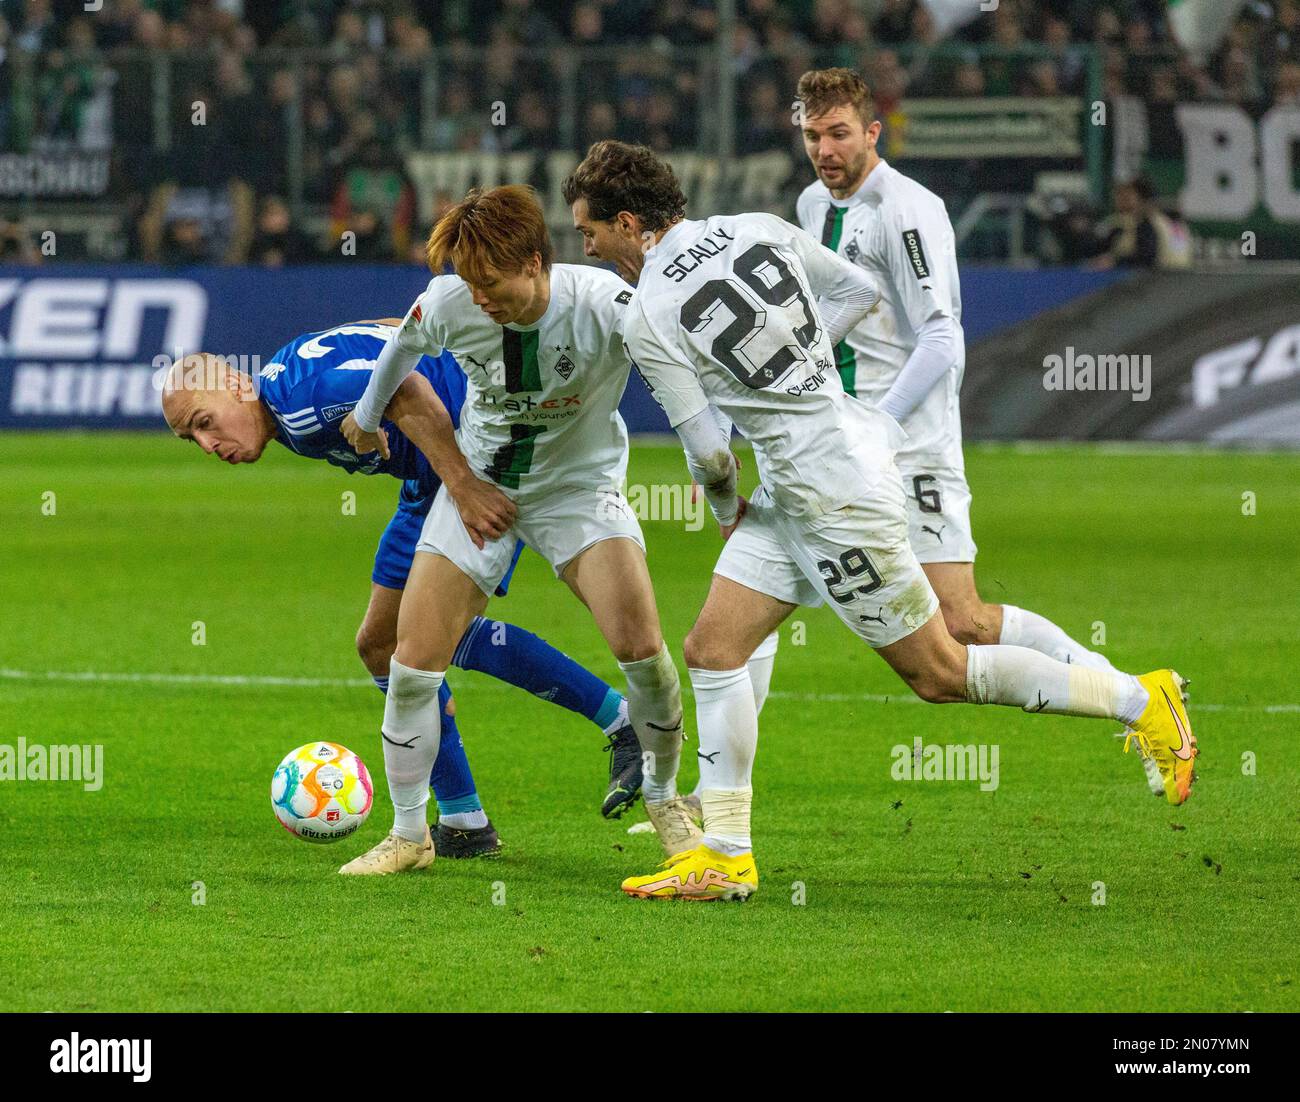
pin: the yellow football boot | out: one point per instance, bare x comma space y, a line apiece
1164, 733
699, 873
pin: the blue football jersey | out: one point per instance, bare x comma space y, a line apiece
313, 382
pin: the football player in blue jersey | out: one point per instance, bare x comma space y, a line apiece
298, 399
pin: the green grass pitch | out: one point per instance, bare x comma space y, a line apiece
876, 894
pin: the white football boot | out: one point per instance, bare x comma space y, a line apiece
393, 854
673, 823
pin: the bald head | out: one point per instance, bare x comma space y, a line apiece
206, 400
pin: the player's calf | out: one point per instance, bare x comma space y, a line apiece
931, 662
375, 652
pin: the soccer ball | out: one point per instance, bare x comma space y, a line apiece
321, 792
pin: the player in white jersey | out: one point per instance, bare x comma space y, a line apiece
539, 457
738, 316
908, 355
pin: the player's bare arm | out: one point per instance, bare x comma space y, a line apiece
418, 412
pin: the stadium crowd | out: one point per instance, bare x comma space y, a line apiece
219, 190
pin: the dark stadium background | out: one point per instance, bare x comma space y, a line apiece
193, 135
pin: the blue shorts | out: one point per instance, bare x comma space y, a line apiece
397, 544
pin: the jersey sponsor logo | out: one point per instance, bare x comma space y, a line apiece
337, 412
916, 254
527, 403
812, 384
705, 249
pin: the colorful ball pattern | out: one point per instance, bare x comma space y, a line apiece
321, 792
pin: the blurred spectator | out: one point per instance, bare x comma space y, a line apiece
16, 244
893, 26
277, 241
968, 80
1071, 236
458, 126
532, 126
642, 70
767, 121
599, 120
198, 225
203, 209
1287, 92
35, 30
1140, 235
67, 85
376, 202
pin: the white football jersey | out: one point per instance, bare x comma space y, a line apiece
725, 314
541, 409
900, 233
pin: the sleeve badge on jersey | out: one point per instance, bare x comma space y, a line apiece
623, 297
916, 254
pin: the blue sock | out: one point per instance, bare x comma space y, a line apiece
451, 780
520, 658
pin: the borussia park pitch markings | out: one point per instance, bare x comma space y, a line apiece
260, 681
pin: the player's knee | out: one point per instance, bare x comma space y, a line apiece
970, 623
635, 644
704, 650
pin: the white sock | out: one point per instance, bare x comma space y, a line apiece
1021, 628
760, 676
412, 728
654, 706
464, 820
728, 724
1032, 681
760, 669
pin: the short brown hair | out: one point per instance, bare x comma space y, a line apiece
499, 230
616, 176
822, 90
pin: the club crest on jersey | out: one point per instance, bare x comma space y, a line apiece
852, 252
564, 367
916, 254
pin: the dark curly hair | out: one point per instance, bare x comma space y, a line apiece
616, 176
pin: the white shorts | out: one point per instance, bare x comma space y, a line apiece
938, 508
857, 559
559, 527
